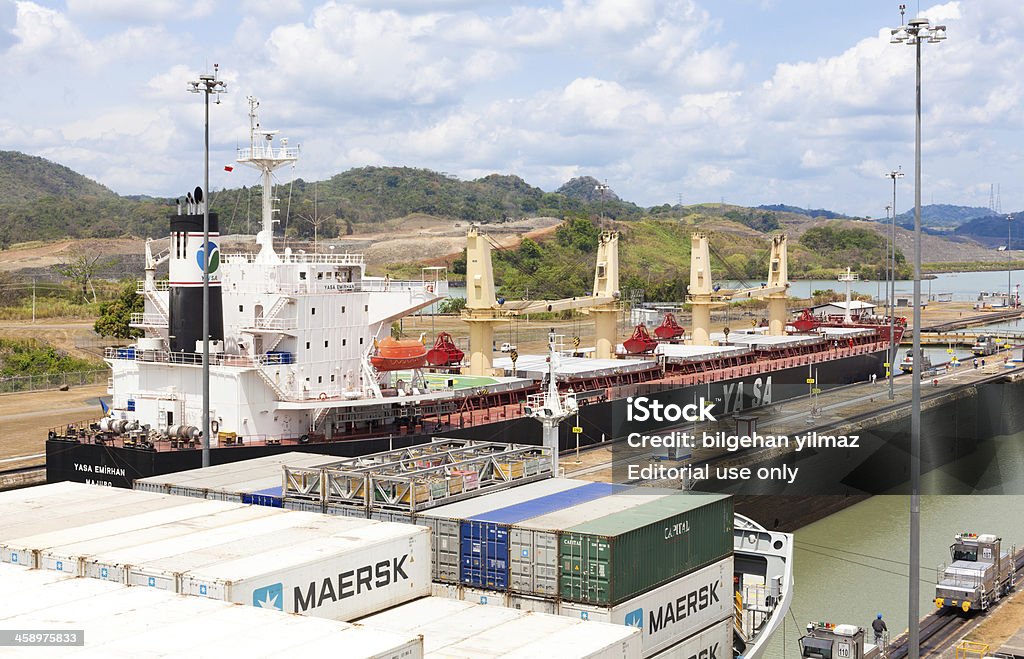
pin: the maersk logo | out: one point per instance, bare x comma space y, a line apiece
635, 619
684, 607
269, 597
350, 583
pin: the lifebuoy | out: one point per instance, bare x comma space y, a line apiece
323, 396
430, 288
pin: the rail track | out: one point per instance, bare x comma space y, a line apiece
940, 629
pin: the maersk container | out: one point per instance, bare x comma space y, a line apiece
533, 543
715, 641
162, 565
181, 626
670, 613
245, 536
367, 569
452, 628
484, 548
444, 521
613, 558
51, 507
70, 558
142, 514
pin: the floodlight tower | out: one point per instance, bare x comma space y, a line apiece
206, 85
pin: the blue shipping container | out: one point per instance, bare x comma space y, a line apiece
272, 497
484, 550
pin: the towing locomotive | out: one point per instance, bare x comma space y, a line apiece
980, 573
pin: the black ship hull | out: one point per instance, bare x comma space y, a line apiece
600, 421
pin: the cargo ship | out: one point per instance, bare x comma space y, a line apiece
301, 358
506, 532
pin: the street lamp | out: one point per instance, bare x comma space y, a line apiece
600, 189
1009, 265
893, 347
914, 33
206, 85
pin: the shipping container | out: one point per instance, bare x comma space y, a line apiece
369, 568
51, 508
258, 481
535, 604
445, 521
610, 559
153, 510
165, 555
714, 642
140, 566
484, 541
149, 621
533, 543
68, 558
452, 628
672, 612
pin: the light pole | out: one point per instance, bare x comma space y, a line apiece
893, 346
1009, 264
600, 189
914, 33
206, 85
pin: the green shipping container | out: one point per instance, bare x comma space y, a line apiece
610, 559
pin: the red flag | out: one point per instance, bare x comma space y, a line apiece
228, 168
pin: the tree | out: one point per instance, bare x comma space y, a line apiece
116, 314
452, 305
81, 266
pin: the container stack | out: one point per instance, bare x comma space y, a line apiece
111, 620
656, 559
297, 562
258, 481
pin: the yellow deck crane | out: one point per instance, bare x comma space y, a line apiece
483, 311
703, 296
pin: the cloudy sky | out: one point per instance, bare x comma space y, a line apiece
802, 102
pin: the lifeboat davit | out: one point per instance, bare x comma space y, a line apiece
641, 341
669, 328
398, 354
444, 352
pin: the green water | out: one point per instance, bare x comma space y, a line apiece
854, 564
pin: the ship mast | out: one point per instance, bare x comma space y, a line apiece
264, 156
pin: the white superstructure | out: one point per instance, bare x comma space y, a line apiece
298, 330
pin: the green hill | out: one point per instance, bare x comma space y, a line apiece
25, 178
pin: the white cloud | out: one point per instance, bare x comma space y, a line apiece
136, 11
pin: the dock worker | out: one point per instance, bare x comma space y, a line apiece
879, 626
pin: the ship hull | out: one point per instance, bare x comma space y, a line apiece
119, 466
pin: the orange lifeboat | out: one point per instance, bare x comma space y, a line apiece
398, 354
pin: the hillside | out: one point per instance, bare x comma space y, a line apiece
991, 231
25, 178
942, 215
401, 217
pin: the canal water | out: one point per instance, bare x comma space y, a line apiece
853, 565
